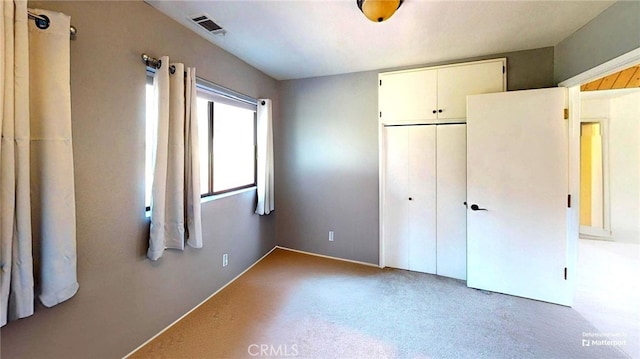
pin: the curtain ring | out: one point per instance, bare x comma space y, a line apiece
42, 22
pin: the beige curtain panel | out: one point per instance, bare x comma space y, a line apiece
37, 212
175, 207
265, 184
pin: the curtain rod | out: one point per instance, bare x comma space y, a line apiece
200, 82
42, 22
155, 63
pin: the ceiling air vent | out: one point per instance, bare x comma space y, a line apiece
206, 23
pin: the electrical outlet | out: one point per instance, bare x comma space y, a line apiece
225, 259
330, 236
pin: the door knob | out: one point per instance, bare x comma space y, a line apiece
475, 207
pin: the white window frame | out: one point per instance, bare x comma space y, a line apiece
218, 94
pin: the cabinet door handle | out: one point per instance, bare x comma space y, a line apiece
440, 110
410, 198
434, 111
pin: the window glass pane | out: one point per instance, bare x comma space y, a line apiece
150, 131
233, 147
203, 142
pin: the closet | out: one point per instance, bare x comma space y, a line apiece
425, 215
423, 164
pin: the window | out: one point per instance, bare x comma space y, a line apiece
151, 122
227, 139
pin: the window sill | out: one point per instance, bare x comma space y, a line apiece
216, 197
227, 194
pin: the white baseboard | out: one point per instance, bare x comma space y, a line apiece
201, 303
328, 257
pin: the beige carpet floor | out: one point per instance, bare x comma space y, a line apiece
296, 305
608, 290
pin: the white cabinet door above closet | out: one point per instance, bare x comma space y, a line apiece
408, 96
456, 82
436, 94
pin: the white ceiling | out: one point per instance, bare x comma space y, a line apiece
290, 39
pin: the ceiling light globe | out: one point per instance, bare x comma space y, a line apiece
378, 10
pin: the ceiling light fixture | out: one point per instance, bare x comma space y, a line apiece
378, 10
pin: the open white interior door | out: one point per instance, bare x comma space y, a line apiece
517, 169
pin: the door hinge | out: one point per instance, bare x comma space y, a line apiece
504, 69
566, 113
568, 201
565, 273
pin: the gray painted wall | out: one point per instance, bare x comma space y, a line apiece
326, 146
614, 32
124, 298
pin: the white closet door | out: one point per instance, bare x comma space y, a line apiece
407, 96
396, 187
451, 194
422, 199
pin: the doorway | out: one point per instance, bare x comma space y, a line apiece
608, 262
609, 157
